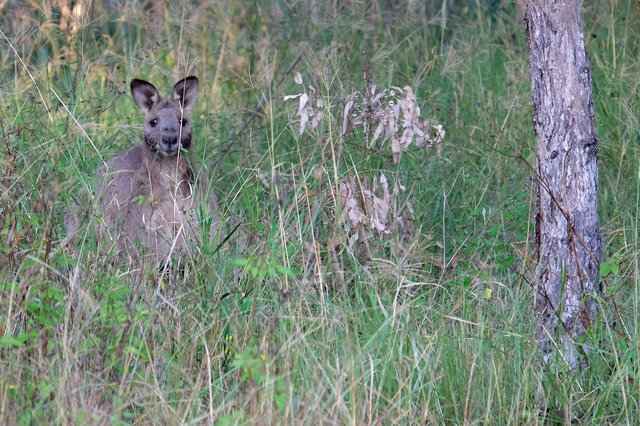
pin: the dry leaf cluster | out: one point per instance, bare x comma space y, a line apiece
372, 208
398, 119
306, 110
367, 208
362, 207
393, 113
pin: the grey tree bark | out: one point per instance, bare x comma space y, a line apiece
567, 225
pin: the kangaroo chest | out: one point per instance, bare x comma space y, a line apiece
166, 198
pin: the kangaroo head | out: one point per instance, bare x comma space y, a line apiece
167, 126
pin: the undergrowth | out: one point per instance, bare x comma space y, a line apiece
360, 275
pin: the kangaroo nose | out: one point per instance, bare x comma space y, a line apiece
169, 143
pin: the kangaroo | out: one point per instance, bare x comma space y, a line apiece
147, 194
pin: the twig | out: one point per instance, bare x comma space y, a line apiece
254, 114
30, 76
79, 125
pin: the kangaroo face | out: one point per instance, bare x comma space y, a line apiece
167, 125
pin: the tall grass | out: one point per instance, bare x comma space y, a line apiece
293, 318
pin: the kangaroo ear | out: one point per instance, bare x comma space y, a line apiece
144, 94
186, 91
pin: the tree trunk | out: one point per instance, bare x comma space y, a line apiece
567, 226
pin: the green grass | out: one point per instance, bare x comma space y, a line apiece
291, 320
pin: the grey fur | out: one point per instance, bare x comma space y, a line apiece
146, 195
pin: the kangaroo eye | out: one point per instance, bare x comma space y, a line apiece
153, 123
183, 121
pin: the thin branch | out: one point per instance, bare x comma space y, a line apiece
30, 76
254, 114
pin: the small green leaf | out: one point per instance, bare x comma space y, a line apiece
8, 340
609, 267
240, 262
487, 293
286, 271
467, 282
